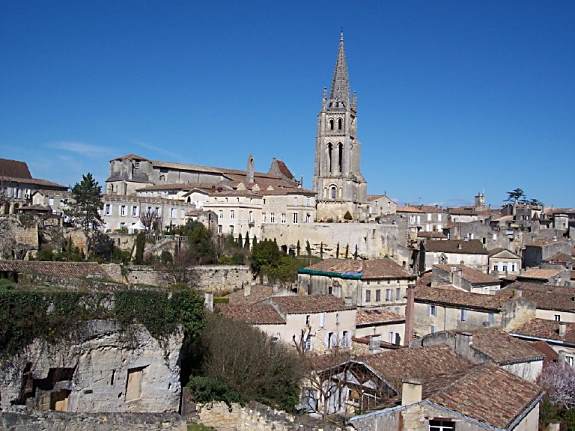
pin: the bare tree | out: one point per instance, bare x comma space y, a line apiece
325, 376
151, 220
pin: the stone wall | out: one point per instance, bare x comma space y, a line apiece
253, 417
90, 422
372, 239
217, 278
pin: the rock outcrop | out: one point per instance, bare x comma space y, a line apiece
101, 368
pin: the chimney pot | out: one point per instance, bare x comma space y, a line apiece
411, 392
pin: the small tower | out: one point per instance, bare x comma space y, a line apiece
338, 181
250, 170
479, 200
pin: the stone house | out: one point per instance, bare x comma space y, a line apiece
465, 278
537, 251
424, 218
490, 345
503, 263
380, 205
380, 326
365, 283
447, 308
427, 388
470, 253
560, 336
319, 323
463, 214
18, 185
126, 211
552, 302
471, 402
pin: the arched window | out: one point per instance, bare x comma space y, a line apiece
340, 158
331, 124
339, 123
333, 192
329, 156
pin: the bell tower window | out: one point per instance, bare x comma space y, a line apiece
339, 124
331, 124
329, 156
340, 158
333, 192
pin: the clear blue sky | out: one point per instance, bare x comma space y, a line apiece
455, 97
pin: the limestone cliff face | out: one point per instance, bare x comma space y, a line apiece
102, 368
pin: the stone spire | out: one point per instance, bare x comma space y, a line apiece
340, 91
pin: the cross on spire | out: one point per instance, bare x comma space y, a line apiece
340, 91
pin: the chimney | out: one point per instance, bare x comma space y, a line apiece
248, 289
209, 301
250, 171
411, 392
517, 294
463, 343
562, 329
409, 314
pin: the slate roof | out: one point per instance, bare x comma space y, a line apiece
365, 269
460, 298
472, 275
14, 169
488, 394
548, 330
254, 314
369, 316
473, 246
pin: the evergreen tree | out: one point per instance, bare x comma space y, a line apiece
86, 203
298, 247
337, 251
355, 254
254, 241
321, 250
140, 246
247, 241
346, 251
308, 248
240, 240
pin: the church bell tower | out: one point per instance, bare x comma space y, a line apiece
340, 187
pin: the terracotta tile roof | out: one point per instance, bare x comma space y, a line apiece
372, 198
279, 167
176, 186
309, 304
55, 269
257, 293
420, 209
502, 348
541, 242
547, 297
254, 314
364, 269
34, 181
366, 316
546, 350
435, 235
408, 209
540, 273
473, 246
548, 330
472, 275
461, 298
422, 363
560, 258
14, 169
488, 394
462, 211
496, 251
144, 200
